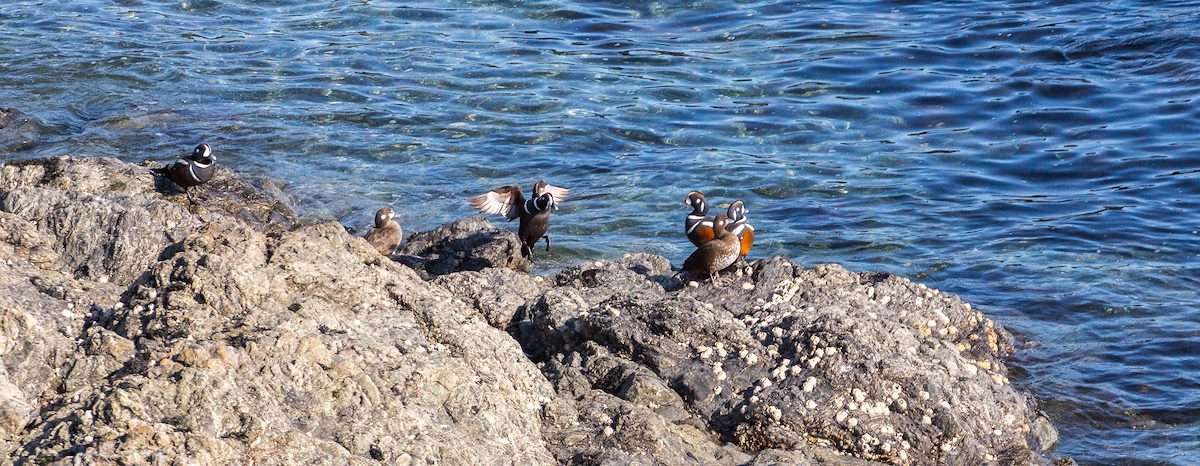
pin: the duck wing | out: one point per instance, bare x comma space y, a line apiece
559, 193
505, 200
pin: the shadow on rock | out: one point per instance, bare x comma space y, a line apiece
470, 244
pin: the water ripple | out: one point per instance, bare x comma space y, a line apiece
1039, 158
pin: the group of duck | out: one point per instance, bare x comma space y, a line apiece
720, 241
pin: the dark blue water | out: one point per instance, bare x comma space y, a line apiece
1040, 158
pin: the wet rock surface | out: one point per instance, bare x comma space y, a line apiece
19, 131
142, 324
470, 244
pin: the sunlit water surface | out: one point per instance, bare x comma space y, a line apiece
1039, 158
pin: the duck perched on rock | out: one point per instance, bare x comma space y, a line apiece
714, 256
195, 169
534, 212
701, 229
740, 227
385, 237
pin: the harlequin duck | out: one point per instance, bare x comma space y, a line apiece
740, 227
386, 235
195, 169
714, 255
697, 225
534, 213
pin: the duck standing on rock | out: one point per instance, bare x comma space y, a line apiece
697, 226
740, 227
386, 235
534, 213
195, 169
714, 256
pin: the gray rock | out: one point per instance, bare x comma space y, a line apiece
258, 202
470, 244
142, 324
504, 296
108, 219
786, 357
234, 345
42, 312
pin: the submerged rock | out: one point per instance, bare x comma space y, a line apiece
19, 131
141, 324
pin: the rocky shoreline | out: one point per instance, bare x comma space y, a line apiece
143, 325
